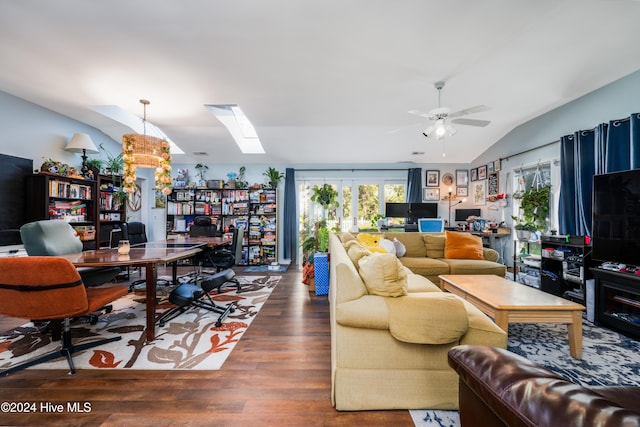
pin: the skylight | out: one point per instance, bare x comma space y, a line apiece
239, 126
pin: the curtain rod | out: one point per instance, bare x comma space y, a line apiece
529, 150
346, 169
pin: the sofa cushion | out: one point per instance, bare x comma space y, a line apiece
417, 283
368, 311
383, 275
475, 266
412, 242
490, 254
345, 236
400, 249
357, 251
427, 267
434, 242
460, 245
427, 318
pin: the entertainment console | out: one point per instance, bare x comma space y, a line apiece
618, 299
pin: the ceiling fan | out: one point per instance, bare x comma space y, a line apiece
442, 115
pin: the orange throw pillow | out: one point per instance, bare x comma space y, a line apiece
460, 245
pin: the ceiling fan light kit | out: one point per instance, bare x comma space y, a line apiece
442, 115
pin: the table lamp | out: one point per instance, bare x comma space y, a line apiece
82, 143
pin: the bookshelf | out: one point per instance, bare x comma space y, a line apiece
58, 197
111, 207
254, 209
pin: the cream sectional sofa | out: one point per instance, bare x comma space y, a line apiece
425, 255
391, 352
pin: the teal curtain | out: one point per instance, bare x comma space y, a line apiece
609, 147
289, 218
414, 186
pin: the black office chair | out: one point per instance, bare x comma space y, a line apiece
135, 232
189, 295
203, 227
227, 258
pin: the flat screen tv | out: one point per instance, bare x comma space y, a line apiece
463, 214
616, 217
396, 210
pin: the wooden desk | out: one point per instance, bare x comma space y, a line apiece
510, 302
147, 257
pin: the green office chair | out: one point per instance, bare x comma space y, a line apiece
56, 237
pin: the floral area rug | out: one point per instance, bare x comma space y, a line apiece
608, 358
189, 341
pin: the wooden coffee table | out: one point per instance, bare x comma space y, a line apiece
510, 302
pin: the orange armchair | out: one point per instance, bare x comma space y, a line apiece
46, 288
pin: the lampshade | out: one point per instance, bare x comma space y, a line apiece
146, 150
81, 142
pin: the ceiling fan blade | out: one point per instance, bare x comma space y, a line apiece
471, 122
419, 113
472, 110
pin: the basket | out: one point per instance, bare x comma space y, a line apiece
85, 235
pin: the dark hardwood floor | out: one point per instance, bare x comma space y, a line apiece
278, 375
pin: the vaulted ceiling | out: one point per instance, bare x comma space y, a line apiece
327, 81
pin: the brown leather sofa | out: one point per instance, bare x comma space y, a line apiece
499, 388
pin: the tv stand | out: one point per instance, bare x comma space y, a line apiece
618, 300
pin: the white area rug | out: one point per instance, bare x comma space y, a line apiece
189, 341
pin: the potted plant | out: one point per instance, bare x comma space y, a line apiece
274, 176
114, 165
95, 166
524, 229
535, 207
326, 196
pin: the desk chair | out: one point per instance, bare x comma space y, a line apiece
203, 227
135, 232
46, 288
56, 237
227, 258
224, 259
430, 225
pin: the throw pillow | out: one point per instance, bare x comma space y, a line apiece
345, 236
370, 241
434, 243
388, 246
459, 245
383, 275
355, 252
400, 249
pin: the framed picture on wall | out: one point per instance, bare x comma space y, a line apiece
430, 194
493, 184
474, 174
447, 179
482, 172
497, 165
462, 177
479, 193
432, 178
462, 191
